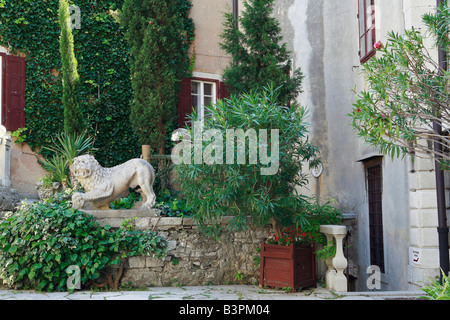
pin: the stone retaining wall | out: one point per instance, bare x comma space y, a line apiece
192, 258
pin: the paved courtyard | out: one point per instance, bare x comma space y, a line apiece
225, 292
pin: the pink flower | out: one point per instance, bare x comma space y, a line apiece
378, 45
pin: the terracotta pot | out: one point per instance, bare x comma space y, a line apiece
288, 266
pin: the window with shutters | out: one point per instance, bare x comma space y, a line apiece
197, 94
366, 16
13, 92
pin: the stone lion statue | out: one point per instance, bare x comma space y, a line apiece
103, 185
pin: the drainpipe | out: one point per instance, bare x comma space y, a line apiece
442, 229
235, 10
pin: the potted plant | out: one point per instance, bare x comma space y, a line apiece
288, 261
47, 187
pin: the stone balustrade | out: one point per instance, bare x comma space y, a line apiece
335, 278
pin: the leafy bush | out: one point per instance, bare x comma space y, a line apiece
407, 92
172, 205
126, 203
241, 189
39, 242
317, 214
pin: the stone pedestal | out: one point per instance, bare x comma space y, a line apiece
335, 277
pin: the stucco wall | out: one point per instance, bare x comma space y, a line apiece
208, 17
25, 170
324, 39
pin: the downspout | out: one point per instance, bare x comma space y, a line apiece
236, 11
442, 229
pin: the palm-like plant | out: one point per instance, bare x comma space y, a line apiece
63, 150
70, 146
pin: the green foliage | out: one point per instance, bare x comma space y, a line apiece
57, 168
438, 290
59, 155
407, 93
40, 241
241, 190
258, 58
102, 52
19, 135
73, 117
159, 34
126, 203
314, 214
329, 251
172, 205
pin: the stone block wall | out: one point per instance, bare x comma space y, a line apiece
192, 258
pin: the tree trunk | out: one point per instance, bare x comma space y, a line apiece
276, 227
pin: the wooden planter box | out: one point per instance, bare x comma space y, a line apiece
288, 266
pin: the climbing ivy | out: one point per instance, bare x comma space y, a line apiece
30, 28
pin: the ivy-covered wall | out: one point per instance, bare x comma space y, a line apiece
30, 27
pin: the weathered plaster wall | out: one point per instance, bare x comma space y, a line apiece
208, 19
325, 42
25, 170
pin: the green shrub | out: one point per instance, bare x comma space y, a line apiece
243, 190
126, 203
172, 205
39, 242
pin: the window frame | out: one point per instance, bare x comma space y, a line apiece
214, 92
362, 21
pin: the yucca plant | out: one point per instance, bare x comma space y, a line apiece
70, 146
64, 149
57, 168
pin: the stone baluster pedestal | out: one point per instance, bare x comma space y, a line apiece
335, 278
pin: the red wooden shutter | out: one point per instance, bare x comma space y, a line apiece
13, 99
184, 102
223, 91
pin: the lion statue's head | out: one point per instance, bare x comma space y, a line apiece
84, 166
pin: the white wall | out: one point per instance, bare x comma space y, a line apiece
324, 39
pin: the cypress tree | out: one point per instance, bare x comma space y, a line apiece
159, 34
258, 58
73, 116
